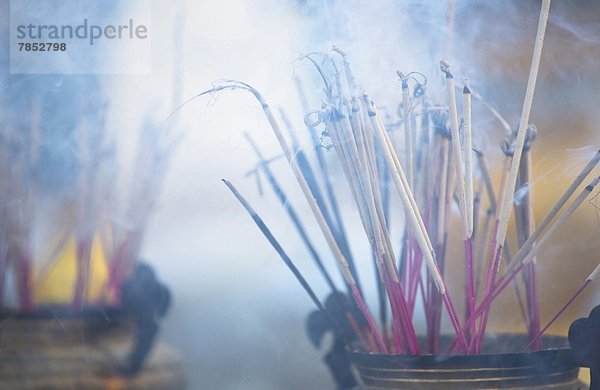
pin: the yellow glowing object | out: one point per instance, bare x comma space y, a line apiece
59, 285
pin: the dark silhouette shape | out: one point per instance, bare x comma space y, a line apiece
338, 307
145, 299
584, 338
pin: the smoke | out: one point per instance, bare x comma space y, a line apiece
239, 316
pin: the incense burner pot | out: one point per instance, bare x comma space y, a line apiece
62, 348
553, 367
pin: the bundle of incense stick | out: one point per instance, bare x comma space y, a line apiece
19, 153
429, 175
90, 211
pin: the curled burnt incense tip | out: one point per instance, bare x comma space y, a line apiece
403, 78
445, 67
594, 273
466, 89
593, 184
339, 51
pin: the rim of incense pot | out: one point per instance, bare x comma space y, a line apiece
63, 311
47, 325
552, 367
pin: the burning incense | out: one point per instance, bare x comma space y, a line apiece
467, 220
273, 241
408, 130
283, 200
413, 214
506, 200
554, 211
322, 163
507, 196
329, 237
467, 128
519, 264
561, 220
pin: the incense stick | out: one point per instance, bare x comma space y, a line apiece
507, 196
284, 201
329, 237
468, 155
408, 131
275, 244
413, 216
586, 283
506, 199
467, 220
587, 169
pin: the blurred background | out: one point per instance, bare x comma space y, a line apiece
239, 316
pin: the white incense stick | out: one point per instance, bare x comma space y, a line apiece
587, 282
507, 196
554, 211
412, 215
528, 250
287, 151
408, 131
560, 221
467, 126
457, 151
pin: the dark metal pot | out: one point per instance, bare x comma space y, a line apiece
497, 367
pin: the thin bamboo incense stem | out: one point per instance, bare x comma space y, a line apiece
408, 131
365, 170
441, 231
360, 175
517, 265
468, 154
400, 176
342, 262
510, 274
331, 122
587, 282
530, 272
308, 194
350, 79
273, 241
547, 236
495, 248
365, 341
408, 201
413, 217
343, 152
400, 180
555, 210
323, 166
467, 220
292, 214
313, 185
457, 151
477, 210
424, 153
507, 198
280, 251
560, 221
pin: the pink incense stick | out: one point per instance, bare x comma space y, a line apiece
587, 282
